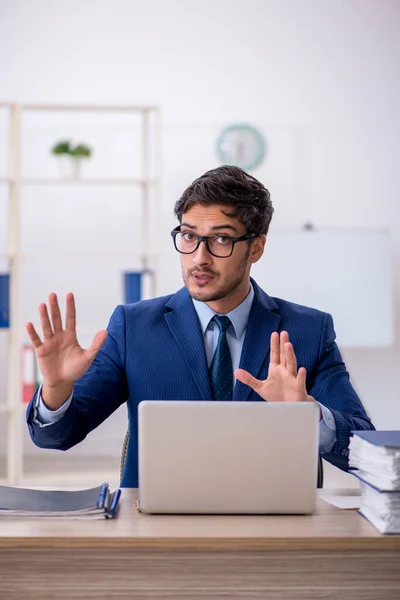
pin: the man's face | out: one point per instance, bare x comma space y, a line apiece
208, 278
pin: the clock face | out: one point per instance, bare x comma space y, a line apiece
242, 146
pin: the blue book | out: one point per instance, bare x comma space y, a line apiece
388, 439
380, 485
374, 457
381, 508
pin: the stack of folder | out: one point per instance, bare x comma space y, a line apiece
93, 503
374, 457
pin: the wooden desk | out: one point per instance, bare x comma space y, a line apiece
331, 554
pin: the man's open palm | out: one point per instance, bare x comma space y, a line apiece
284, 383
60, 357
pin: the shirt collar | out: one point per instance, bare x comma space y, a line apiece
238, 316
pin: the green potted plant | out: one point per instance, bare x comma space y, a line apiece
61, 148
70, 157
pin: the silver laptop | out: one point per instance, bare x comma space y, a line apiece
227, 457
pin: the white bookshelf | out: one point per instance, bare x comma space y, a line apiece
99, 181
150, 145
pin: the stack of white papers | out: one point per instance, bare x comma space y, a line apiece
375, 459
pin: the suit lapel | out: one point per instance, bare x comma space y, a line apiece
256, 347
184, 325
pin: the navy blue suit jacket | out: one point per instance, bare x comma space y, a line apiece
155, 350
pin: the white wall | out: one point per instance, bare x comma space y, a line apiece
320, 78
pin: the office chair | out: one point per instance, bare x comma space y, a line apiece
320, 477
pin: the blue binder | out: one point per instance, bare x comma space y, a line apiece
389, 439
133, 285
4, 300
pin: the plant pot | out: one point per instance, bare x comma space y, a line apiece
69, 167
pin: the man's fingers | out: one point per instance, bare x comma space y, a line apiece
245, 377
33, 336
45, 322
55, 313
291, 361
301, 378
284, 337
70, 313
95, 346
275, 354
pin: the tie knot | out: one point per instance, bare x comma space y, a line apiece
222, 322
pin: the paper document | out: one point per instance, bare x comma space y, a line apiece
352, 500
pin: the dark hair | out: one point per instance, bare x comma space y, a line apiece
231, 186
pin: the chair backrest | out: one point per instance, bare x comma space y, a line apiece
320, 477
123, 454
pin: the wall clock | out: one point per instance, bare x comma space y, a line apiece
241, 145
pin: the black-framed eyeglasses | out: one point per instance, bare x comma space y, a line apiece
219, 245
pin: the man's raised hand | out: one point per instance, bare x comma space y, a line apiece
284, 382
61, 359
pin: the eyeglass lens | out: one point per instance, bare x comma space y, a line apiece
219, 245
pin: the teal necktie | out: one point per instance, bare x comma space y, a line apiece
221, 370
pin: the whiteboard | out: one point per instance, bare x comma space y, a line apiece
344, 272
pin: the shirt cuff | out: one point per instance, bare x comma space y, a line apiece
43, 416
327, 430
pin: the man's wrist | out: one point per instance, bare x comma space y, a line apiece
311, 399
54, 397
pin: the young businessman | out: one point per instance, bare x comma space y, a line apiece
220, 337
